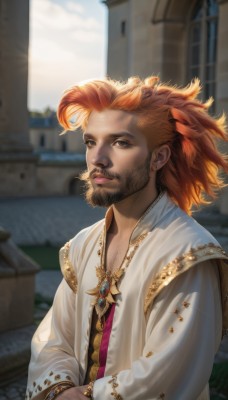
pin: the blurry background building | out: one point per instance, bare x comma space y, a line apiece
176, 40
45, 134
61, 158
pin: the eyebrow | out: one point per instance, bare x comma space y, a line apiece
113, 135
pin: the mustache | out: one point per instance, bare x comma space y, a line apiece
86, 175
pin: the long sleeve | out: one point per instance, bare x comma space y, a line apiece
182, 335
53, 359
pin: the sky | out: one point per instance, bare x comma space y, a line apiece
67, 44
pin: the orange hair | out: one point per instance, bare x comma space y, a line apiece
166, 114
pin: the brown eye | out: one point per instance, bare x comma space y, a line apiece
89, 143
122, 143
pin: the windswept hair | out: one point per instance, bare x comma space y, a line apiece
166, 115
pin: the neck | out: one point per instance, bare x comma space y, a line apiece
127, 212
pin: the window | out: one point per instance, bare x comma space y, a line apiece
203, 46
123, 28
64, 145
42, 140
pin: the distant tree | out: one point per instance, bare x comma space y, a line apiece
47, 112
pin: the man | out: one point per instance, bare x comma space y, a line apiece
138, 314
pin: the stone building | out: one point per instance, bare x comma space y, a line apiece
176, 40
45, 136
60, 157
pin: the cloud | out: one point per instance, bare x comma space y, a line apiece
67, 45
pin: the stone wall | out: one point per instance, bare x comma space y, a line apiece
17, 284
58, 179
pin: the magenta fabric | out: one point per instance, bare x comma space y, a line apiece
105, 341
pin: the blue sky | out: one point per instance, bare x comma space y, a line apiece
68, 40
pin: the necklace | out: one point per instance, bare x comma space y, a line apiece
106, 288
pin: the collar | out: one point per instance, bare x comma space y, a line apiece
157, 210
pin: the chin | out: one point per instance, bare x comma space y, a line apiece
102, 197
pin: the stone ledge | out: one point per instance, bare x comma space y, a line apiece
15, 353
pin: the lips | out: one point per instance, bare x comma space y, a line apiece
98, 178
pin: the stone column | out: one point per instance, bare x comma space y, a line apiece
222, 81
17, 162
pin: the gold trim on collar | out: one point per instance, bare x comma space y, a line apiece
180, 265
67, 267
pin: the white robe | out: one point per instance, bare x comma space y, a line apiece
167, 324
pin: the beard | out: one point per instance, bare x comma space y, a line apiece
134, 181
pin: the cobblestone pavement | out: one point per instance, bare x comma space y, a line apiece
51, 220
47, 283
15, 391
54, 220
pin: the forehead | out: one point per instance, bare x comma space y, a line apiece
109, 121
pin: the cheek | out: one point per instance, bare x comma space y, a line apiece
133, 159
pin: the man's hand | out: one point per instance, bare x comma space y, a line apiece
74, 393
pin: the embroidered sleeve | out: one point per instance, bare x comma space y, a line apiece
67, 267
184, 263
45, 385
114, 385
52, 358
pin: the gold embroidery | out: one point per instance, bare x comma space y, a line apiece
149, 354
94, 349
178, 315
114, 384
186, 304
67, 268
180, 265
171, 330
161, 396
106, 287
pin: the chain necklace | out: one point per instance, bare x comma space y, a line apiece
106, 288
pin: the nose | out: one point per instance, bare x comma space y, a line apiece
99, 157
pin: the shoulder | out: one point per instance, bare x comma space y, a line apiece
84, 236
70, 253
184, 230
184, 244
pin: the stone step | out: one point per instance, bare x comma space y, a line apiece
15, 353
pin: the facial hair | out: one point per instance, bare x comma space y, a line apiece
135, 181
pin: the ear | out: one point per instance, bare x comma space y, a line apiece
160, 156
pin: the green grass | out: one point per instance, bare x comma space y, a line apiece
46, 256
219, 381
39, 299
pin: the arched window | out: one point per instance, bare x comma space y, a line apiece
76, 187
203, 46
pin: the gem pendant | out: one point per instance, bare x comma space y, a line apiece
105, 288
102, 303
